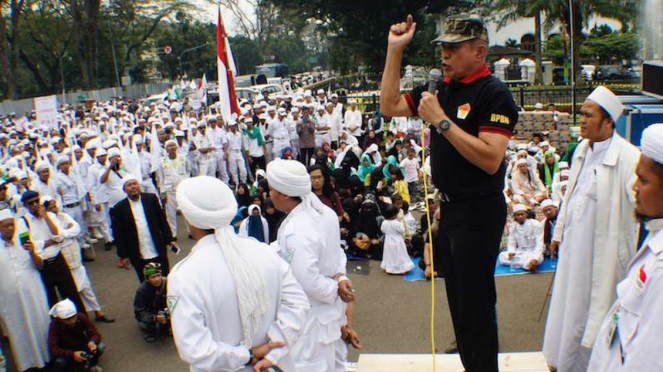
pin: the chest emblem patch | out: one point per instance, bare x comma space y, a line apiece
463, 111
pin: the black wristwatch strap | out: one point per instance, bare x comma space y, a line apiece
250, 357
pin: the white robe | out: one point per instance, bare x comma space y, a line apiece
395, 259
312, 247
639, 307
23, 308
597, 230
202, 299
526, 243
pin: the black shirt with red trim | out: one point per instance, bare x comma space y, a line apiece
478, 103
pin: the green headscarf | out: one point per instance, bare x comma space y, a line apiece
365, 170
255, 134
391, 160
550, 175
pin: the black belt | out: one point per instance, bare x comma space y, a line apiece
73, 205
52, 260
446, 198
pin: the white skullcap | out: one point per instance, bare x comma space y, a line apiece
208, 203
538, 105
108, 144
295, 109
169, 142
62, 159
604, 97
521, 146
64, 309
137, 138
563, 165
201, 124
334, 95
521, 161
128, 177
100, 152
544, 143
113, 152
41, 165
519, 208
565, 173
179, 133
21, 174
321, 91
6, 214
652, 142
548, 203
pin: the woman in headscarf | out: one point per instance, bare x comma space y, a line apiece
243, 195
273, 217
366, 166
255, 226
370, 139
391, 160
549, 169
326, 148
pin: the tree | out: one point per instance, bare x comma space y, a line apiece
614, 46
513, 43
10, 42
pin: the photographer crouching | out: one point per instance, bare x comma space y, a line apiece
73, 340
150, 308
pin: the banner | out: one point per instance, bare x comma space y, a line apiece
46, 109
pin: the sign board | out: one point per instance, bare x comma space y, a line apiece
46, 109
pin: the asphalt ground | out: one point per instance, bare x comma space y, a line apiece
391, 315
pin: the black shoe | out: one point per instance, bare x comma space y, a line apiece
453, 349
105, 319
108, 246
150, 339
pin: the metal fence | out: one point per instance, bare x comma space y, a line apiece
23, 106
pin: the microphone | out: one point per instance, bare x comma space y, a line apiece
433, 77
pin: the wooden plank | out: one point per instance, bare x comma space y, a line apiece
511, 362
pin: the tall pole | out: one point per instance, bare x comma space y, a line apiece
117, 74
64, 88
188, 50
573, 75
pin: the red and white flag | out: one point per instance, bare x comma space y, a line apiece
227, 72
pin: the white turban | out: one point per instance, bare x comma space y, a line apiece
41, 165
129, 177
605, 98
207, 203
548, 203
113, 151
652, 142
100, 152
6, 214
64, 309
290, 177
521, 161
169, 142
519, 208
62, 159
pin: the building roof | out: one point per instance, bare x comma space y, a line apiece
501, 50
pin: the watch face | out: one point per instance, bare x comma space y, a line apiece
445, 124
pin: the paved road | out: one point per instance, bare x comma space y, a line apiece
391, 316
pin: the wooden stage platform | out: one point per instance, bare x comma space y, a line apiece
509, 362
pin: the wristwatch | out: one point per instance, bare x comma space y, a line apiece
443, 126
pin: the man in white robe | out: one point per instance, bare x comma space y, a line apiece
233, 302
596, 233
525, 245
309, 240
630, 337
23, 308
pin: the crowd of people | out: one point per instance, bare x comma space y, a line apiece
301, 182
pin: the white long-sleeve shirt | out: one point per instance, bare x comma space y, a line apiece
353, 122
205, 312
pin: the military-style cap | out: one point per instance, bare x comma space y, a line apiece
461, 28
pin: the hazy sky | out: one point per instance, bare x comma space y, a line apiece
208, 13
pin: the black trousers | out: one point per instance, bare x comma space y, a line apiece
305, 155
469, 242
140, 265
57, 279
257, 162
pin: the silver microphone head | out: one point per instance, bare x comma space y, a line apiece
434, 74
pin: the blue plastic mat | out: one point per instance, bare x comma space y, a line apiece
548, 265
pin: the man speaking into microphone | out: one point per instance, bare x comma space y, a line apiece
472, 115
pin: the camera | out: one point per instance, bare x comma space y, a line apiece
165, 313
88, 360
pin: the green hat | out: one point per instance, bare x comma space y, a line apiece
151, 269
461, 28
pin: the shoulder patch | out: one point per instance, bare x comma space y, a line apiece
463, 111
172, 301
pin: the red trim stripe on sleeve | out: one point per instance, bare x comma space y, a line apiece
490, 129
410, 104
